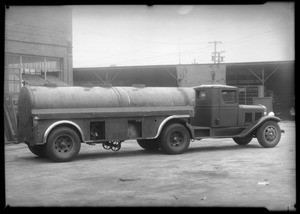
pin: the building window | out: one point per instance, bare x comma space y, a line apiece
12, 74
18, 65
38, 65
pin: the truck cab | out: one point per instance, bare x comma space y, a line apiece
217, 106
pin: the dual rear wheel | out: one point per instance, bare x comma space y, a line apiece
63, 144
174, 139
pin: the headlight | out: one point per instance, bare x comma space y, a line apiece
265, 109
271, 113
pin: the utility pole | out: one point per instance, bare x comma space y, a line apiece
216, 55
179, 53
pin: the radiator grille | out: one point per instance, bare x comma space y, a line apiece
258, 115
248, 118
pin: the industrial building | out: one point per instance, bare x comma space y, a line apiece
38, 46
38, 51
267, 83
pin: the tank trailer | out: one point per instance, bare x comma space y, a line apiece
54, 121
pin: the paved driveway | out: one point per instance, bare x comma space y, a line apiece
213, 172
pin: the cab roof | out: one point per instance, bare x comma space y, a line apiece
215, 86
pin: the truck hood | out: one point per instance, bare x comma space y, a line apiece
252, 107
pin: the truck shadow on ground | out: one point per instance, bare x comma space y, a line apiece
223, 147
141, 152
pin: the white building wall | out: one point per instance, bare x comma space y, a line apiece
194, 75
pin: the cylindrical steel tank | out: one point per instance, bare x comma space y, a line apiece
87, 98
38, 97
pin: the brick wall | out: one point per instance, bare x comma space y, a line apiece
41, 31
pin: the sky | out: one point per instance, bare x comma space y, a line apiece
133, 35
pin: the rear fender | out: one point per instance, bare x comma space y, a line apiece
168, 119
252, 128
61, 123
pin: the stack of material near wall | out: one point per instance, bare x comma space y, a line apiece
10, 119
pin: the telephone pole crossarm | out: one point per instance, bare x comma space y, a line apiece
216, 55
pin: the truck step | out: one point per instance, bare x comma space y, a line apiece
200, 127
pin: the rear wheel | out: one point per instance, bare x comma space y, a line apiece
63, 144
38, 150
175, 139
243, 140
149, 144
269, 134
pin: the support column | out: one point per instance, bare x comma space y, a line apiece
261, 92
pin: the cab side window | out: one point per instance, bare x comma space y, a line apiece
229, 96
200, 95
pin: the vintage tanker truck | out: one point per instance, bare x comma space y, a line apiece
54, 121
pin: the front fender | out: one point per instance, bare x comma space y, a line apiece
257, 124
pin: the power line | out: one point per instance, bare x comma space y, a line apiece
174, 54
217, 55
254, 36
187, 52
143, 40
129, 38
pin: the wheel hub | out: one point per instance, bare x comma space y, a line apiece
176, 139
270, 133
63, 144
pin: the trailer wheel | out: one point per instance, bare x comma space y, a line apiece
38, 150
63, 144
269, 134
243, 140
174, 139
149, 144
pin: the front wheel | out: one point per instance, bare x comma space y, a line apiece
174, 139
63, 144
269, 134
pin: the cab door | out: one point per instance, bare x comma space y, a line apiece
207, 111
228, 107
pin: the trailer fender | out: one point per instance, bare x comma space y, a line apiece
257, 124
63, 122
161, 126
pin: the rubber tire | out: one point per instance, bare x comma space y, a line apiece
165, 143
149, 144
242, 141
38, 150
261, 134
50, 145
